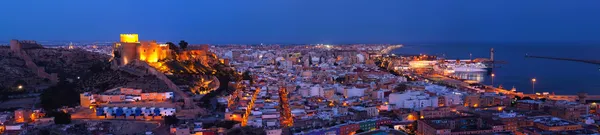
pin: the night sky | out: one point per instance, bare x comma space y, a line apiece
303, 21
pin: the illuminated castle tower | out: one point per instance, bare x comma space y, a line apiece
130, 49
150, 51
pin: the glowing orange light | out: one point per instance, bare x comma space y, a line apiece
411, 117
129, 38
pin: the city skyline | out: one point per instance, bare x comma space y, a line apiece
306, 67
285, 22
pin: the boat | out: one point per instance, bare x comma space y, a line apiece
462, 67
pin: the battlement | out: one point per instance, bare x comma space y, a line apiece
129, 38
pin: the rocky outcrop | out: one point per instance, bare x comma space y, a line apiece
39, 71
13, 69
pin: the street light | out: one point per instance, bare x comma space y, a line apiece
493, 75
533, 85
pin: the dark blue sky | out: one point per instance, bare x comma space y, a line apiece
304, 21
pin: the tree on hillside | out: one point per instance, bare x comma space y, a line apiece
61, 117
116, 54
172, 46
62, 94
246, 75
183, 44
340, 79
174, 49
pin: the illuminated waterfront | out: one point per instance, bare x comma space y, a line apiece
561, 77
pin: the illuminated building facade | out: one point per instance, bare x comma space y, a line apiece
122, 95
22, 115
130, 48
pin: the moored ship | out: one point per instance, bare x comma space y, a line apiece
461, 67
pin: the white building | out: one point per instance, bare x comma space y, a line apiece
451, 99
450, 96
317, 91
412, 99
372, 111
167, 111
304, 92
168, 95
353, 92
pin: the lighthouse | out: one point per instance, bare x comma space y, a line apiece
492, 54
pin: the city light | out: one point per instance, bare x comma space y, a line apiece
411, 117
129, 38
271, 87
493, 75
533, 85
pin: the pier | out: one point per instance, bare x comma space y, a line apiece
390, 49
597, 62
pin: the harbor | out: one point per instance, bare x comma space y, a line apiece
512, 69
480, 75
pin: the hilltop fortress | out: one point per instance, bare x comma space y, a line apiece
130, 49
